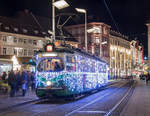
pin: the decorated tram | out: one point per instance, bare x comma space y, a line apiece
68, 71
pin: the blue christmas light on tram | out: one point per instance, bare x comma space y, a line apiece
68, 71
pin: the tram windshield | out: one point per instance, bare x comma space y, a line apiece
50, 64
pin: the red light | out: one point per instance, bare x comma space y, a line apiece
49, 48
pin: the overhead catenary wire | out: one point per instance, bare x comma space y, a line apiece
111, 16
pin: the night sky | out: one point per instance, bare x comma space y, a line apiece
128, 16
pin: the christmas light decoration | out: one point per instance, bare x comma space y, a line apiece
78, 72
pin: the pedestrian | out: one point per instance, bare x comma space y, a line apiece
147, 78
18, 76
24, 82
4, 76
12, 83
32, 81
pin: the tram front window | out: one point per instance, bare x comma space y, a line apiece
50, 64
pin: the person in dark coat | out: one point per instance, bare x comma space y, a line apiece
32, 81
12, 80
4, 76
18, 76
147, 78
25, 79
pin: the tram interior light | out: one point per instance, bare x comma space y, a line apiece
50, 54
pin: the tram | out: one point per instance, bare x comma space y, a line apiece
68, 71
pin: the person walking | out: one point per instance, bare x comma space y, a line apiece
4, 76
18, 76
12, 83
24, 82
32, 81
147, 78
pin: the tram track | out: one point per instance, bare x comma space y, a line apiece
111, 112
24, 105
117, 108
6, 109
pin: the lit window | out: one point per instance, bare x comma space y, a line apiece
16, 29
44, 33
97, 41
7, 28
36, 31
25, 30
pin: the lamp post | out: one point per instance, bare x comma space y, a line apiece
60, 5
53, 19
84, 11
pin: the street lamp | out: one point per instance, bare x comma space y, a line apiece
84, 11
60, 5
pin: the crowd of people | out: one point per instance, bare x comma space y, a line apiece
19, 80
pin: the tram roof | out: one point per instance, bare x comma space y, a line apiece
72, 50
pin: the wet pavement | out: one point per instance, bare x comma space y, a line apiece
7, 101
139, 103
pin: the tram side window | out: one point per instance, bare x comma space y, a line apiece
100, 68
70, 59
104, 67
50, 64
70, 67
70, 63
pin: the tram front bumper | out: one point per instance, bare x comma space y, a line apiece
48, 91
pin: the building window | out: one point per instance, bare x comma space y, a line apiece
44, 33
36, 31
4, 51
24, 41
30, 52
20, 52
30, 41
35, 51
15, 40
16, 29
25, 30
7, 28
4, 38
25, 52
97, 40
105, 31
34, 42
20, 40
15, 51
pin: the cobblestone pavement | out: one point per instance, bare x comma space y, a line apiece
139, 103
6, 101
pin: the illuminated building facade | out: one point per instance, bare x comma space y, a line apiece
148, 33
111, 46
120, 55
22, 37
97, 38
137, 57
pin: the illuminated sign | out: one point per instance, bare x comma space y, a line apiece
49, 48
49, 54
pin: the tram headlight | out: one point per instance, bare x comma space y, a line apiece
48, 83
